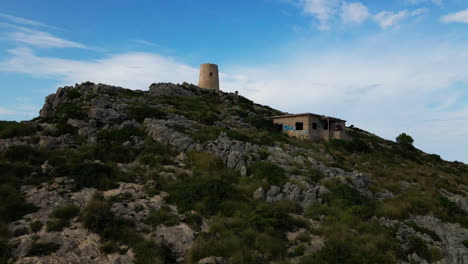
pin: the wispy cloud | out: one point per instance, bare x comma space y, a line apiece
144, 42
40, 39
354, 12
417, 2
23, 21
460, 17
387, 19
327, 11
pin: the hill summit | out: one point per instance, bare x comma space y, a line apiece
179, 174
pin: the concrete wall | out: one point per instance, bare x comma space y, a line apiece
308, 132
209, 76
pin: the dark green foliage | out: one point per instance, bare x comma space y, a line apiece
36, 226
109, 247
119, 136
43, 249
314, 174
298, 251
272, 173
452, 212
12, 204
351, 250
97, 217
56, 225
424, 230
140, 112
211, 133
344, 196
66, 212
14, 129
405, 140
70, 110
465, 243
23, 153
163, 216
4, 246
73, 93
267, 216
420, 247
61, 217
194, 221
90, 174
356, 145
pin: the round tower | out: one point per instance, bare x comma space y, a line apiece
209, 78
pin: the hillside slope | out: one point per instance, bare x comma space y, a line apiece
178, 174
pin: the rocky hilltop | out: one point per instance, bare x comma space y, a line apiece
178, 174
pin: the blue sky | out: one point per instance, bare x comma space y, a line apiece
385, 66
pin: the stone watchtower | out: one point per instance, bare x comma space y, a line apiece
209, 78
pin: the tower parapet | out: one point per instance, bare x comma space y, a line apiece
209, 76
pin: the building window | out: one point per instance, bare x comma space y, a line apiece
325, 124
338, 128
314, 126
279, 127
211, 74
299, 126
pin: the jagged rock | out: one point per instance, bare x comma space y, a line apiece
160, 132
259, 194
169, 89
180, 238
460, 200
213, 260
105, 115
304, 195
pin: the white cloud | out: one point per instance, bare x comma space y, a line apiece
5, 111
144, 42
136, 70
323, 10
40, 39
354, 12
23, 21
461, 17
387, 19
417, 2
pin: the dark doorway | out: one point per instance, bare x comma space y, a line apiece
314, 126
325, 124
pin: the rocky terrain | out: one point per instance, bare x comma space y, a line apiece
178, 174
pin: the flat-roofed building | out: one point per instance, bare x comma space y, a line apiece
311, 126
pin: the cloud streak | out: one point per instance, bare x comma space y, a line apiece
460, 17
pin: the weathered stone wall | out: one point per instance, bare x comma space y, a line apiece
209, 76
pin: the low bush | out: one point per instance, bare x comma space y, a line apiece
272, 173
36, 226
119, 136
12, 204
109, 247
140, 112
420, 247
163, 216
69, 110
95, 175
9, 129
56, 225
424, 230
465, 243
22, 153
43, 249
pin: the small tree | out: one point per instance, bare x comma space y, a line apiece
405, 139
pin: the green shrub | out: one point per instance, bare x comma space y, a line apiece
56, 225
5, 250
405, 140
424, 230
109, 247
9, 129
163, 216
420, 247
452, 212
194, 221
36, 226
24, 153
343, 195
465, 243
66, 212
94, 175
97, 215
43, 249
140, 112
119, 136
274, 174
70, 110
298, 251
12, 204
73, 93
